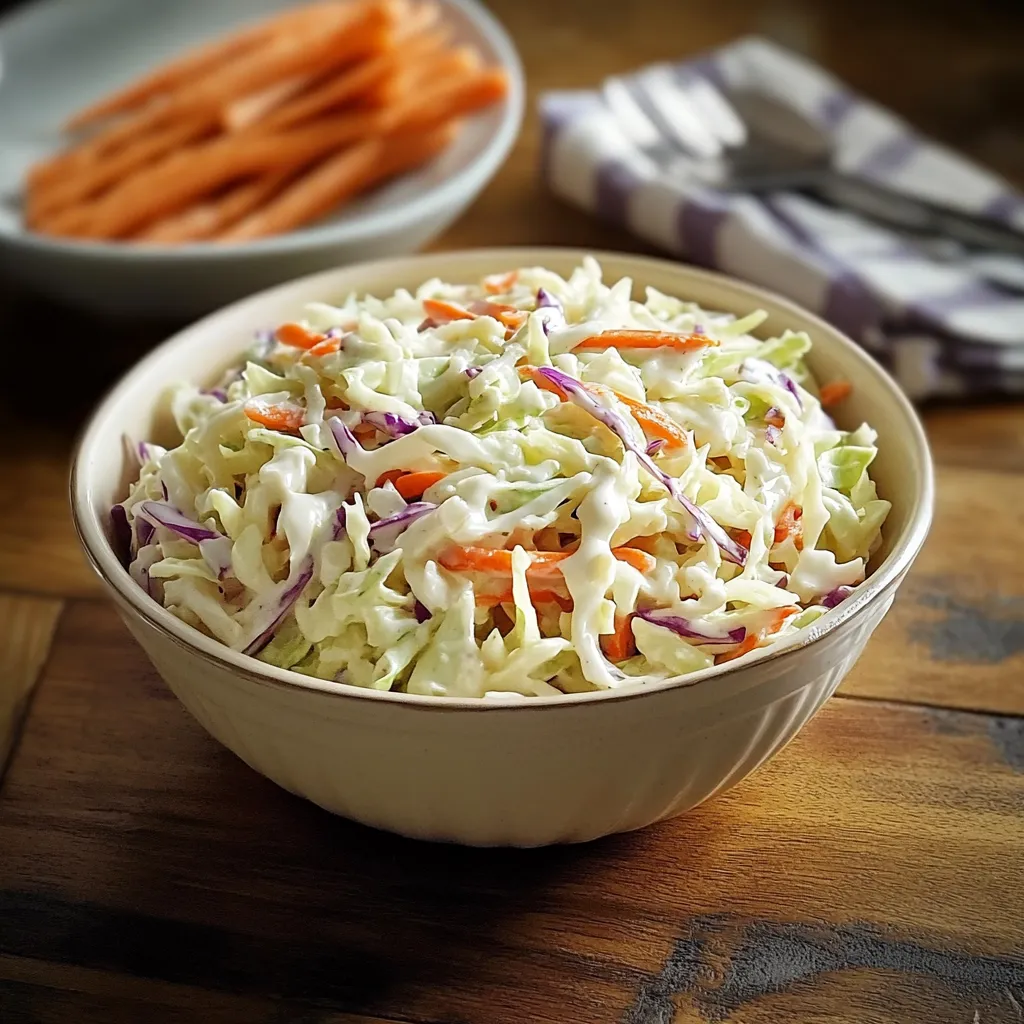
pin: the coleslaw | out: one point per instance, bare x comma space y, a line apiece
525, 486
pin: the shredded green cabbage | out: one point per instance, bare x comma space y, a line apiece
476, 530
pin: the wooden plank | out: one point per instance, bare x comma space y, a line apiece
955, 634
36, 992
26, 629
868, 873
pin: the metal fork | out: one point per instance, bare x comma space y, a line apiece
752, 142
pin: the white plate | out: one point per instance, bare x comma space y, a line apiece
58, 55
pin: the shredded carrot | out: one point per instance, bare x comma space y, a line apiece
510, 316
412, 485
775, 623
652, 421
620, 645
743, 537
498, 284
298, 336
748, 644
789, 526
276, 417
499, 560
834, 392
391, 474
647, 339
655, 423
775, 419
326, 347
445, 312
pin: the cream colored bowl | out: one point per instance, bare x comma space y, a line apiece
548, 770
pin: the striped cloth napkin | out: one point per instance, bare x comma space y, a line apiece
945, 321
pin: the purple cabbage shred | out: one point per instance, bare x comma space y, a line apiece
702, 522
837, 596
276, 613
684, 628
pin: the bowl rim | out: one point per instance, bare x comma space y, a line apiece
403, 214
101, 557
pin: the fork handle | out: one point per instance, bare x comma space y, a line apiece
910, 213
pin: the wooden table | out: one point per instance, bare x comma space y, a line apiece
871, 873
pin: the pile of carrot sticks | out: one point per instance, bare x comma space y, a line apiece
265, 130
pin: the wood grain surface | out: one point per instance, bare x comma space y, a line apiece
870, 874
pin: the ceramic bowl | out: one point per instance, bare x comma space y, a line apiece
545, 770
58, 55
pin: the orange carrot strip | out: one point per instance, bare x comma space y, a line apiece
498, 284
509, 316
646, 340
789, 525
775, 623
184, 176
834, 392
207, 218
743, 537
194, 62
348, 83
621, 644
499, 560
655, 423
412, 485
65, 191
276, 417
652, 421
297, 336
340, 177
442, 312
775, 419
750, 641
326, 347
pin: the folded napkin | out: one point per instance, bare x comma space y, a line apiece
939, 321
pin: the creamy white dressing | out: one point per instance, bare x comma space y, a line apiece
522, 468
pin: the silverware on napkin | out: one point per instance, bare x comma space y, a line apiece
750, 141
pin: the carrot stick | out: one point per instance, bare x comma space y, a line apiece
339, 178
363, 29
646, 340
347, 84
195, 62
620, 645
774, 418
100, 173
834, 392
256, 106
277, 417
208, 218
789, 525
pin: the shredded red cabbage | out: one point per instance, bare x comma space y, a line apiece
397, 426
655, 446
759, 370
772, 434
274, 614
473, 371
213, 546
684, 628
703, 523
421, 612
554, 314
121, 534
837, 596
384, 533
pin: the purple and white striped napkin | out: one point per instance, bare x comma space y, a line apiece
946, 322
